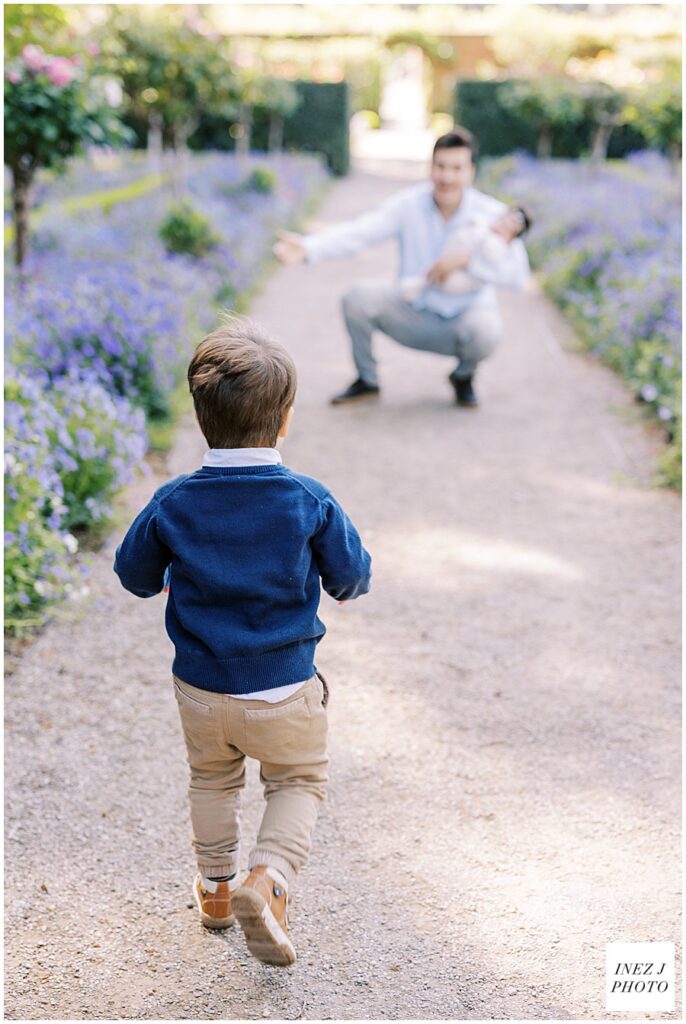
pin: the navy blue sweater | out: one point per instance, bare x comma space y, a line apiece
246, 547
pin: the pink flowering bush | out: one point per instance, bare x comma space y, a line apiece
51, 113
61, 71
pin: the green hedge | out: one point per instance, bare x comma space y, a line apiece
478, 108
319, 125
499, 132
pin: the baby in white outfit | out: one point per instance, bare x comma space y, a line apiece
486, 244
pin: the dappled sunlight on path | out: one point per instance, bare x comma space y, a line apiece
436, 555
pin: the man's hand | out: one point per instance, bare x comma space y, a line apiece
458, 259
290, 249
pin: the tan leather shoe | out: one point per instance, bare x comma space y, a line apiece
261, 908
214, 902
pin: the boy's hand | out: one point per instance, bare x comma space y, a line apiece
290, 249
446, 264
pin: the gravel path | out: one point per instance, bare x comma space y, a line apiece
504, 714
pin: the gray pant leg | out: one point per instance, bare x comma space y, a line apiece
375, 306
478, 332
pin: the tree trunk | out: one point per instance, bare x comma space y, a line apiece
275, 140
182, 133
674, 157
545, 142
243, 141
154, 150
601, 140
21, 178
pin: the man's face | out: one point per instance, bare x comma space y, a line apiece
452, 171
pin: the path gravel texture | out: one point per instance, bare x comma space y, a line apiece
504, 717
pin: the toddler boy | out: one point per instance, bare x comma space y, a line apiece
481, 247
243, 542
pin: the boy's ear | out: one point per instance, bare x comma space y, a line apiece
286, 422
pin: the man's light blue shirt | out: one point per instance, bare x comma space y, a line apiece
412, 217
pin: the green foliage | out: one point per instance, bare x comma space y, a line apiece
51, 113
508, 116
185, 230
45, 122
670, 470
30, 563
36, 554
99, 439
272, 95
226, 296
169, 71
500, 130
261, 180
545, 103
42, 24
602, 103
319, 125
656, 111
162, 431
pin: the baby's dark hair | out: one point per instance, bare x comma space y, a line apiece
526, 215
243, 384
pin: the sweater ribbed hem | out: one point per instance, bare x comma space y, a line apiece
281, 667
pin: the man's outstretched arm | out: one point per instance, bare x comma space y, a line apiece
341, 239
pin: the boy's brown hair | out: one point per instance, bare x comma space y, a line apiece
243, 384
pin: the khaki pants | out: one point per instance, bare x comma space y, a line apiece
289, 741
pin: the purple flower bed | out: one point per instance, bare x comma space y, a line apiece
98, 330
608, 245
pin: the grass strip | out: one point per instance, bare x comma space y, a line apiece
104, 198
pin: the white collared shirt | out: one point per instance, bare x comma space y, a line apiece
252, 457
242, 457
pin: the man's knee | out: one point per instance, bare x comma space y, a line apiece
365, 299
480, 331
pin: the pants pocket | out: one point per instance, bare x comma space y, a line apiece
291, 733
199, 720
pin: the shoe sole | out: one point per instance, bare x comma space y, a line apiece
217, 922
266, 939
357, 398
212, 922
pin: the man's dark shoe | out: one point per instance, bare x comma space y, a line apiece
464, 392
357, 391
